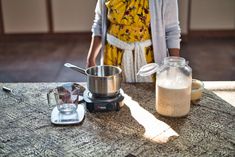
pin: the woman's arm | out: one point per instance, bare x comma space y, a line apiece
94, 50
95, 45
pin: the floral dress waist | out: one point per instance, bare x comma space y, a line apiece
129, 33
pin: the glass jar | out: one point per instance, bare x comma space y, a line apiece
173, 86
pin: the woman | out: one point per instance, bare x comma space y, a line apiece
133, 33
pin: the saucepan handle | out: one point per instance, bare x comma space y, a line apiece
76, 68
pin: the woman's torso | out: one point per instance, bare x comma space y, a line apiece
129, 19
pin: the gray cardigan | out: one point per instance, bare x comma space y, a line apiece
164, 26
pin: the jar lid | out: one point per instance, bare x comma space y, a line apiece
148, 69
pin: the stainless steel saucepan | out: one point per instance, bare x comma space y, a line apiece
103, 80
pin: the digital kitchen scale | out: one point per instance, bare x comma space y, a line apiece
68, 119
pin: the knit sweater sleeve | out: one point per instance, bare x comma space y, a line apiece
172, 27
97, 23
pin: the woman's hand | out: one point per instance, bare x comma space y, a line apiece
90, 62
174, 52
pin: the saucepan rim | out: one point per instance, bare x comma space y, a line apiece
119, 71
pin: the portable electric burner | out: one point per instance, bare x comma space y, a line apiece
95, 103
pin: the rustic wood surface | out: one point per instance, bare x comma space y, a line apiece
26, 130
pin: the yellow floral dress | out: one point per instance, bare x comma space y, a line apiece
129, 21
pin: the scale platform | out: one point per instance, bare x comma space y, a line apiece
68, 119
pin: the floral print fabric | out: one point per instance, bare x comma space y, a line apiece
129, 21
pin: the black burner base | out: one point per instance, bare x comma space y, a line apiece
104, 107
102, 104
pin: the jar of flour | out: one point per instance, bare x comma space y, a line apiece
173, 86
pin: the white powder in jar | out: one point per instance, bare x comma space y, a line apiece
173, 102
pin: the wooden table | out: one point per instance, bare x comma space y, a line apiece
26, 130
